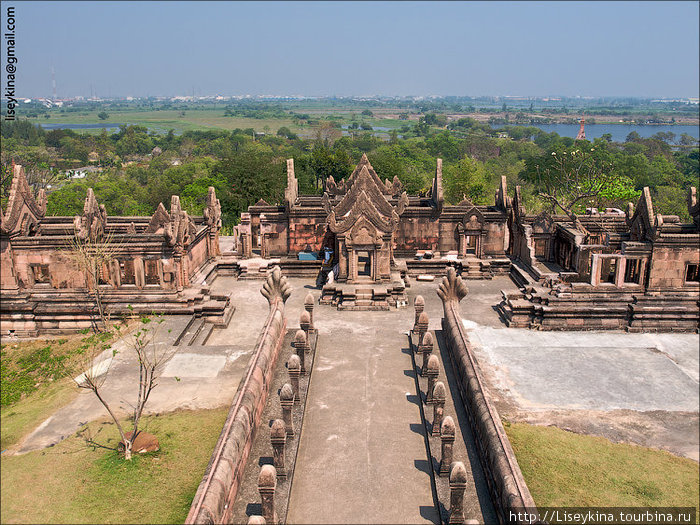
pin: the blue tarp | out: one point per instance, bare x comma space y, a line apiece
307, 256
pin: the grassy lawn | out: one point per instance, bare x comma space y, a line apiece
566, 469
33, 380
71, 483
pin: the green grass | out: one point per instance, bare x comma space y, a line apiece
194, 119
71, 483
566, 469
35, 379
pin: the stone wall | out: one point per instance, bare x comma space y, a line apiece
507, 487
213, 501
668, 268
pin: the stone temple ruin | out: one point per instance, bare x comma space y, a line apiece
148, 264
632, 270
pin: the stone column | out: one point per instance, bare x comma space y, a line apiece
278, 438
427, 351
256, 520
309, 307
438, 400
287, 402
294, 370
419, 305
432, 370
267, 482
300, 346
447, 438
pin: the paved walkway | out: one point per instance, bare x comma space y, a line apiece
362, 457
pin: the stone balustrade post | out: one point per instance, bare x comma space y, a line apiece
309, 307
438, 400
419, 305
421, 327
427, 351
278, 439
287, 402
458, 484
267, 483
300, 346
432, 370
305, 322
447, 439
294, 370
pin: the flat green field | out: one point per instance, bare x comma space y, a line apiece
195, 119
563, 469
201, 119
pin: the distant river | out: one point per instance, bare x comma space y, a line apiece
619, 132
108, 127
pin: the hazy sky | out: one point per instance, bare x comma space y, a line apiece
646, 49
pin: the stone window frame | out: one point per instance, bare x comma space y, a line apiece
120, 262
620, 270
32, 275
159, 271
687, 271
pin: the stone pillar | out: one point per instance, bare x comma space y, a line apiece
309, 307
287, 402
256, 520
458, 484
301, 344
432, 370
419, 305
294, 370
620, 275
267, 482
278, 438
427, 351
438, 400
305, 323
447, 438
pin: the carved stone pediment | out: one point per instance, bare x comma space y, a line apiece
357, 172
363, 233
473, 219
363, 183
177, 227
159, 219
641, 221
24, 212
363, 207
212, 213
93, 222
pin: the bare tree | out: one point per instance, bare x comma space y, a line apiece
92, 255
151, 356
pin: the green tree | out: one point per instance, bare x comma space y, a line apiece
468, 178
571, 179
103, 115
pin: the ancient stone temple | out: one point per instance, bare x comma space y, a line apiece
382, 235
633, 270
142, 264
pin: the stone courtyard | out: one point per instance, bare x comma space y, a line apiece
362, 440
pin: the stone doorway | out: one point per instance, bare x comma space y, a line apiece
364, 265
